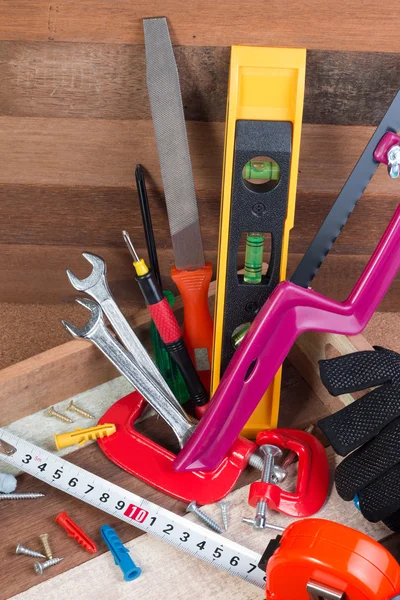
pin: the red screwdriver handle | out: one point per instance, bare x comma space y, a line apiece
197, 321
165, 321
170, 333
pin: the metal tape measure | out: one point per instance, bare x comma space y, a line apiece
114, 500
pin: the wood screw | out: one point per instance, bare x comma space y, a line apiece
52, 412
21, 550
44, 538
40, 567
80, 411
205, 518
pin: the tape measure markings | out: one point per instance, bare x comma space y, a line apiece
131, 508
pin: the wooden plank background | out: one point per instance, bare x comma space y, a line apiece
75, 119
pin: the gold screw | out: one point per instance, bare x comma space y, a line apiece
53, 413
80, 411
44, 538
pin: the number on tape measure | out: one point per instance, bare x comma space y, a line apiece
136, 513
127, 506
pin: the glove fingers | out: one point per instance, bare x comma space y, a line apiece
381, 499
362, 420
358, 371
369, 463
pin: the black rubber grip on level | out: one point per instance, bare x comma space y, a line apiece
178, 351
362, 420
254, 208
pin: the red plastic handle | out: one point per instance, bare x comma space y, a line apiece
165, 321
197, 322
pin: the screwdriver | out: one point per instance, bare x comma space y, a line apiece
167, 367
167, 325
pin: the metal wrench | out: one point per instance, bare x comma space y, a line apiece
96, 331
96, 286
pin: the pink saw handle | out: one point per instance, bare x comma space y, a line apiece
289, 311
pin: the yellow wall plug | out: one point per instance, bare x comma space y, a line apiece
80, 436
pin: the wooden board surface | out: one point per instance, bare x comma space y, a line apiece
311, 24
108, 81
42, 512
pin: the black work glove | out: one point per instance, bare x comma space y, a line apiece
369, 429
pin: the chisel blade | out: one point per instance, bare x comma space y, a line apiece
172, 144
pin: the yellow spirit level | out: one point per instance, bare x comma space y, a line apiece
262, 145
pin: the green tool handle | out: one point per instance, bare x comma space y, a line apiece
166, 365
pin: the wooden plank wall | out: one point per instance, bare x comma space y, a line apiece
75, 119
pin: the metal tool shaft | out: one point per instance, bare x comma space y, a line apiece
97, 332
172, 145
96, 287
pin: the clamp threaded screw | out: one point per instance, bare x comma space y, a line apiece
52, 412
205, 518
40, 567
280, 473
80, 411
270, 452
44, 538
21, 550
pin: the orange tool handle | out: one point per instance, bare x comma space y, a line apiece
197, 322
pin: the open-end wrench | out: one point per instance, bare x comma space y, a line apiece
96, 286
96, 331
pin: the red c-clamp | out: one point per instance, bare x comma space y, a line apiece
151, 463
312, 479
